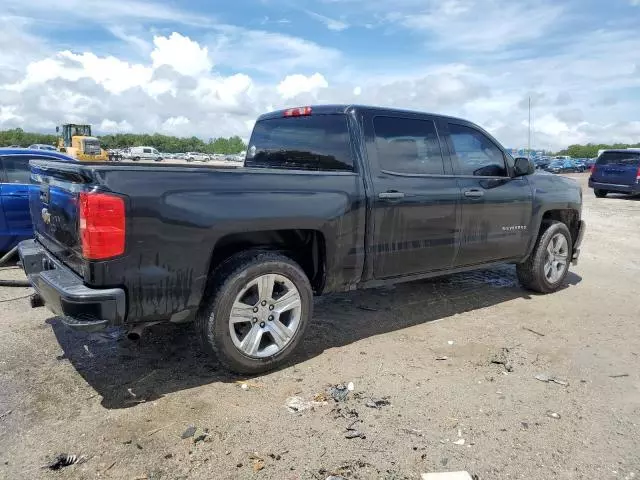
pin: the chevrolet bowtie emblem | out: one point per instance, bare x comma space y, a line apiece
46, 216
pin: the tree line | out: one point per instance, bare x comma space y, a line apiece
590, 150
164, 143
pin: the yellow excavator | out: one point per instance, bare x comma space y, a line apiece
76, 141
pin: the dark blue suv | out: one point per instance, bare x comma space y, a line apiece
15, 181
616, 171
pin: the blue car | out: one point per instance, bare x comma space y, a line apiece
15, 182
616, 171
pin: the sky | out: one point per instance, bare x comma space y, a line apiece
209, 67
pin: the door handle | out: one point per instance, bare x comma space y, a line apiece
474, 193
391, 195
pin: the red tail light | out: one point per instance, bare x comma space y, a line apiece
297, 112
638, 175
102, 225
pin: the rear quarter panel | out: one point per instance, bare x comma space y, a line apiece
177, 215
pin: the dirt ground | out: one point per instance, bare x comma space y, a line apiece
124, 405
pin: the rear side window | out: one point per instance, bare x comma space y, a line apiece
408, 146
315, 142
619, 158
476, 154
16, 169
146, 150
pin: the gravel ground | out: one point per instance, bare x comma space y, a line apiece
426, 347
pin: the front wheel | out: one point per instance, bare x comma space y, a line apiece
600, 193
548, 265
255, 311
136, 159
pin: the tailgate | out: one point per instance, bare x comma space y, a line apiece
54, 208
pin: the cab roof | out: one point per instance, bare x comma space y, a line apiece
32, 152
344, 108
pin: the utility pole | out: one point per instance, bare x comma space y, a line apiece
529, 143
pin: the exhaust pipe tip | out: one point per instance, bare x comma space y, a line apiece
134, 336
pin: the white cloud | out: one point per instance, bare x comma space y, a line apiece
181, 53
294, 85
111, 126
330, 23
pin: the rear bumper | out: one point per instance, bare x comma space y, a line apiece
64, 293
612, 187
576, 245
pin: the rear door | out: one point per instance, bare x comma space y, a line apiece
496, 209
618, 168
14, 191
415, 197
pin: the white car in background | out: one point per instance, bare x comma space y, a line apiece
196, 157
144, 153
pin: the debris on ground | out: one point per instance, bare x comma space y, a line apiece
443, 357
378, 403
64, 460
297, 404
244, 386
533, 331
258, 462
8, 412
189, 432
368, 309
350, 386
353, 432
548, 379
553, 415
201, 435
621, 375
502, 358
336, 477
347, 413
339, 392
460, 441
450, 342
413, 431
448, 476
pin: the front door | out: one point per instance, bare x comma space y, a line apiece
415, 197
496, 208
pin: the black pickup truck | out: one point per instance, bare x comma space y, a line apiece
331, 198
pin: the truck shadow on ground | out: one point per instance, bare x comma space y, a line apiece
168, 358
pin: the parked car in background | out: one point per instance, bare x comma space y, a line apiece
581, 164
196, 157
542, 162
562, 166
42, 146
15, 183
331, 198
616, 171
144, 153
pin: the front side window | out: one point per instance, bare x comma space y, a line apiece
16, 169
475, 153
408, 145
315, 142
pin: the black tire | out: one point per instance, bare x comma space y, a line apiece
158, 159
226, 283
531, 271
136, 159
600, 193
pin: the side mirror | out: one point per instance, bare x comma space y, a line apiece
523, 166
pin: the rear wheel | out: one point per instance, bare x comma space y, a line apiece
548, 265
255, 311
600, 193
136, 159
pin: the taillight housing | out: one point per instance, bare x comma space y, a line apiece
297, 112
101, 225
638, 175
